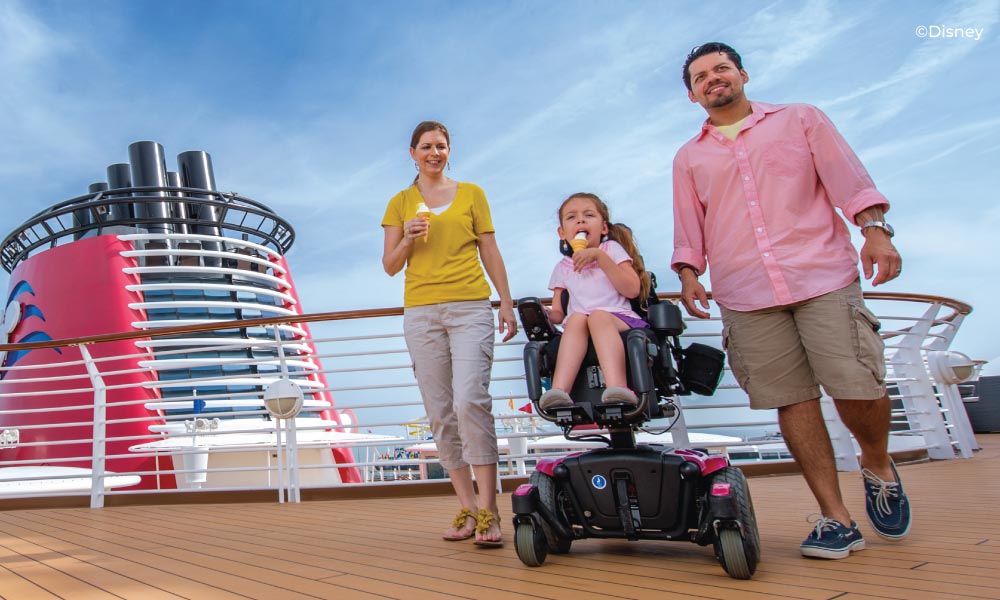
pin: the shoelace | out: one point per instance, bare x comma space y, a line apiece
822, 523
885, 490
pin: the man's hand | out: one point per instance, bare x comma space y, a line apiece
879, 251
691, 291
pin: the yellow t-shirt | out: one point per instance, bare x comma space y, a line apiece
445, 267
732, 130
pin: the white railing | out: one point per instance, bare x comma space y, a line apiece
86, 423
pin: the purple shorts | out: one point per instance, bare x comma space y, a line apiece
633, 322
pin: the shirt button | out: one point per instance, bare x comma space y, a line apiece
759, 229
767, 254
746, 178
740, 154
753, 203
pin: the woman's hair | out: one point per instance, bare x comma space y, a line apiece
423, 128
622, 234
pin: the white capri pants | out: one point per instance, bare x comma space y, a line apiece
451, 346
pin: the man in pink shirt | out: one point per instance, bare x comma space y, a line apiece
755, 194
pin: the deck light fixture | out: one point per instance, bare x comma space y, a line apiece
283, 399
951, 367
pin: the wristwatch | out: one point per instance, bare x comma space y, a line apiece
682, 267
881, 225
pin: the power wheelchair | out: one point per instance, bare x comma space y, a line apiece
628, 490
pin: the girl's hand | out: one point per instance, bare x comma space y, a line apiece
582, 258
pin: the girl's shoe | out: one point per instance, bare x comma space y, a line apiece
619, 395
554, 398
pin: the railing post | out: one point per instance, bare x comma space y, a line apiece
946, 379
679, 437
961, 429
840, 437
916, 388
98, 452
291, 435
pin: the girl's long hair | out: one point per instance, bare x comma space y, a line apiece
622, 234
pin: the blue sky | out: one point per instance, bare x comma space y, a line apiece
308, 106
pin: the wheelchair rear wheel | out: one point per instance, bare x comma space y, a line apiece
738, 550
530, 543
547, 495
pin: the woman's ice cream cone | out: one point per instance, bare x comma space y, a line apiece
423, 212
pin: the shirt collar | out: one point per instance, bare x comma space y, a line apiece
757, 112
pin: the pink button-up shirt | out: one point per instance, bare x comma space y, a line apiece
760, 208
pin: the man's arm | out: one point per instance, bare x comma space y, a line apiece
689, 240
852, 190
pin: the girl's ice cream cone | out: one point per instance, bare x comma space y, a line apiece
579, 242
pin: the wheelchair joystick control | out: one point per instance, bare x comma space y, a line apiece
535, 320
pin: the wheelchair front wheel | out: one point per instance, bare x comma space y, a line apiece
548, 497
731, 554
738, 549
531, 545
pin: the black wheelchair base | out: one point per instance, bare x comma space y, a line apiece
627, 490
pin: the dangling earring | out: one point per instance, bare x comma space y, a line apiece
416, 166
449, 165
604, 237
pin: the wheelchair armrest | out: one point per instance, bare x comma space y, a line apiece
535, 320
665, 318
532, 369
637, 353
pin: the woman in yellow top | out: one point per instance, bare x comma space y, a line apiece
448, 321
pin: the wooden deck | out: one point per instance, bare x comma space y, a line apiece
389, 548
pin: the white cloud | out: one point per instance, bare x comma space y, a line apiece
932, 57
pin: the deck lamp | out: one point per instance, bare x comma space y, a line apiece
283, 399
951, 367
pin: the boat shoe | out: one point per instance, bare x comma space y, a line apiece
831, 539
886, 505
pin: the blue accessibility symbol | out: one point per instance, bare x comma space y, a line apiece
599, 482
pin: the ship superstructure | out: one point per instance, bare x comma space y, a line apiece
150, 248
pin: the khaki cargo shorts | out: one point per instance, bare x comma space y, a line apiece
781, 355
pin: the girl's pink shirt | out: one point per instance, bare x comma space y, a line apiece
590, 289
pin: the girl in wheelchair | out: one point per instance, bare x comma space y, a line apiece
599, 279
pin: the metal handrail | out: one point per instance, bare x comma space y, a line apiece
959, 308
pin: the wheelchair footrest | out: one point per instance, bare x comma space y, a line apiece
612, 413
578, 414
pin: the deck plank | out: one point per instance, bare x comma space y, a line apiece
390, 547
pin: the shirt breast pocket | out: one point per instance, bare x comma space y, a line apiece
785, 158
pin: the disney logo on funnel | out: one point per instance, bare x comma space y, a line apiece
940, 31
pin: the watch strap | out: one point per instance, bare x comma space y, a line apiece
881, 225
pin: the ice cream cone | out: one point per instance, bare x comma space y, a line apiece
423, 212
579, 242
